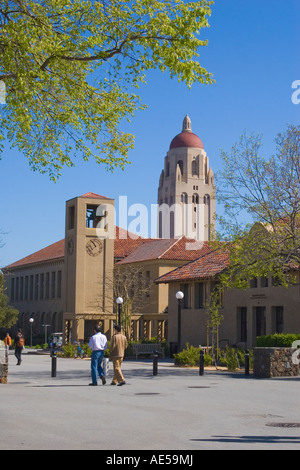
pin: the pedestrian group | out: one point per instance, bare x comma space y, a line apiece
98, 344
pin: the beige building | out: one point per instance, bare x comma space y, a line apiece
264, 308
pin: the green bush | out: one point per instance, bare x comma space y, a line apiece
69, 350
191, 357
282, 340
232, 360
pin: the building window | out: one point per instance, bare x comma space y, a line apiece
278, 319
168, 169
59, 281
260, 321
243, 324
42, 283
21, 288
31, 287
92, 219
26, 287
199, 295
276, 282
253, 282
12, 290
186, 288
184, 198
53, 284
180, 163
148, 283
71, 223
36, 287
47, 285
194, 168
264, 281
17, 289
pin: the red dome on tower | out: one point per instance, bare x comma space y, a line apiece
186, 138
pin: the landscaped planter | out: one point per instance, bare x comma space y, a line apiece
3, 364
276, 362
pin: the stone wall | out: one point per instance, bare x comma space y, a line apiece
276, 362
3, 363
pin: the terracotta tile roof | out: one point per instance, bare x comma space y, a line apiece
128, 248
125, 243
206, 266
94, 196
50, 253
168, 249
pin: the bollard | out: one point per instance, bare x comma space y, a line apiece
54, 363
247, 361
155, 360
201, 365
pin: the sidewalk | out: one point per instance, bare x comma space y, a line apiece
175, 410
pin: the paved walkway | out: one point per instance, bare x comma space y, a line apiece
175, 410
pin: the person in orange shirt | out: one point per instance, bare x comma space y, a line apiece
7, 341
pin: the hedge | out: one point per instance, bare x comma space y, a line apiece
282, 340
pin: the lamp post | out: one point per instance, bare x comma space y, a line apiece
179, 297
119, 302
31, 320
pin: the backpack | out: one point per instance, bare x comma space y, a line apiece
21, 342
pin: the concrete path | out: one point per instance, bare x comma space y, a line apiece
175, 410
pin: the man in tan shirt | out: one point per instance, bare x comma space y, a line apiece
117, 349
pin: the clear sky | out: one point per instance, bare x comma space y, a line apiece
253, 53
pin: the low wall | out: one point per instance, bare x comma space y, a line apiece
3, 364
276, 362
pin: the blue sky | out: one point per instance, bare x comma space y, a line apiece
253, 53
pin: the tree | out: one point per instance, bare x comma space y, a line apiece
8, 315
267, 193
214, 318
70, 67
131, 283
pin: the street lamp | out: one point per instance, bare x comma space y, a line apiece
31, 320
179, 297
119, 302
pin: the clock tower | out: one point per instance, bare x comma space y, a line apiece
89, 258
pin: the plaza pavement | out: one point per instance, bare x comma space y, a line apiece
176, 410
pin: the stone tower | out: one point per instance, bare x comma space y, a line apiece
186, 193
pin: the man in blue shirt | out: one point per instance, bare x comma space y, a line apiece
98, 344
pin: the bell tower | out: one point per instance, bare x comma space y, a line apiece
186, 193
89, 258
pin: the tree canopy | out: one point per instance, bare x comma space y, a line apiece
71, 69
8, 314
267, 190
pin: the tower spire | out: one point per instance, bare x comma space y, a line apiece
187, 124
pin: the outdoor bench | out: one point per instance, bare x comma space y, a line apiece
147, 348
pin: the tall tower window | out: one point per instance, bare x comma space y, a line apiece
71, 223
195, 168
184, 198
180, 163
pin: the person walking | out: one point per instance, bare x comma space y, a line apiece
19, 345
117, 350
7, 342
98, 344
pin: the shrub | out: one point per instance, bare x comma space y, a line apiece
69, 350
232, 360
191, 357
282, 340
